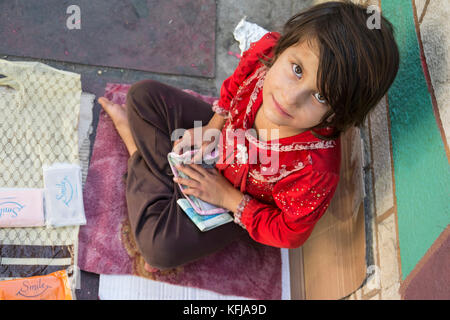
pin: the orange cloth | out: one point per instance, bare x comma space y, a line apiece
54, 286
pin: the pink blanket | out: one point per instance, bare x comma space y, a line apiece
106, 245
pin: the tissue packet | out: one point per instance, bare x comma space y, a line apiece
201, 207
21, 207
63, 195
53, 286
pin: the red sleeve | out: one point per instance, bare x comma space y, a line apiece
246, 66
300, 203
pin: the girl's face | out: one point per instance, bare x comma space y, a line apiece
291, 100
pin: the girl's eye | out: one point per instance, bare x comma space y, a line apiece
297, 69
320, 98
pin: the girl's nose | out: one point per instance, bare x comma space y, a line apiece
293, 97
298, 93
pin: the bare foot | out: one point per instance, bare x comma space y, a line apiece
149, 268
118, 114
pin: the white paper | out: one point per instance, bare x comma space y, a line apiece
246, 33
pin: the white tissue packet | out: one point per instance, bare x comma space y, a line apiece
63, 195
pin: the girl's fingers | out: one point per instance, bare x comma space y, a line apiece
206, 148
192, 171
200, 169
178, 145
174, 148
187, 182
198, 156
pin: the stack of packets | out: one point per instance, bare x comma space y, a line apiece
59, 204
204, 215
205, 222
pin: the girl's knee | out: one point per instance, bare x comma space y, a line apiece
141, 98
160, 252
143, 88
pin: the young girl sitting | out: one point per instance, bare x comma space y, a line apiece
291, 97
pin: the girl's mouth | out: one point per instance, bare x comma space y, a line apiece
280, 109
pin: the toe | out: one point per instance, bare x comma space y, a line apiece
149, 268
103, 101
109, 106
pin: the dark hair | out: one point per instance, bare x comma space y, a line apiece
357, 65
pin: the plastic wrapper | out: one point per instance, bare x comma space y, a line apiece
21, 207
54, 286
246, 33
63, 195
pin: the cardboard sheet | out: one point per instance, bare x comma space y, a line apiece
334, 255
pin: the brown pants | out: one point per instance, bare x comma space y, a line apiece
164, 234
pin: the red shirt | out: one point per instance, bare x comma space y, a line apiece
286, 199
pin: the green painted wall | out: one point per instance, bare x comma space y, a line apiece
421, 168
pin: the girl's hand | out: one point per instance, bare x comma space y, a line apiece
206, 140
206, 184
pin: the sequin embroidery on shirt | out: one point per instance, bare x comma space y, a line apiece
281, 173
218, 109
243, 89
295, 146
